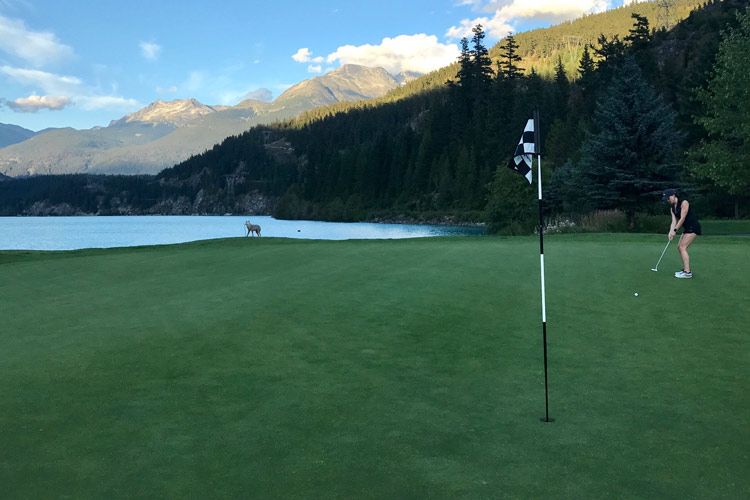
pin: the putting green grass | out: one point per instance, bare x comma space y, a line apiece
272, 368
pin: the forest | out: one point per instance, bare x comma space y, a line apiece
636, 113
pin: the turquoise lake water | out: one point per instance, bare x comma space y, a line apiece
71, 233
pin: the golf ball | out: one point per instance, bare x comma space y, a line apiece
636, 294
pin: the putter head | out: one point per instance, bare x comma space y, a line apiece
654, 269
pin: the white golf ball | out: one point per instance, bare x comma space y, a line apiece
636, 294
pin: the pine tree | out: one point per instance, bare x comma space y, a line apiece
482, 63
639, 37
628, 159
475, 66
465, 70
586, 66
561, 90
509, 59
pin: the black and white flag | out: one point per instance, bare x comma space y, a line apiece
522, 162
522, 158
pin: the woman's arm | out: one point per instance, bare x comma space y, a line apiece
683, 213
672, 229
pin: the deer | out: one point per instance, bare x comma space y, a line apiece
252, 228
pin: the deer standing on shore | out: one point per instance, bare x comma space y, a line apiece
252, 228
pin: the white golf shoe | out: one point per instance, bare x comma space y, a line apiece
683, 274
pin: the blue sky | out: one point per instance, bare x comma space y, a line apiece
70, 63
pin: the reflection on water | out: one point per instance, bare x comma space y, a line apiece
69, 233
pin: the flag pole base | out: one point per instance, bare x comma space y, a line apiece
546, 421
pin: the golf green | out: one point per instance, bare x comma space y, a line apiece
273, 368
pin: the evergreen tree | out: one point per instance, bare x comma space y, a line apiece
627, 160
475, 66
639, 35
465, 69
561, 91
509, 59
724, 156
481, 61
639, 38
510, 204
608, 53
586, 66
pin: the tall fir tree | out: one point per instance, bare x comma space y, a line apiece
561, 91
639, 39
509, 59
586, 67
628, 158
481, 58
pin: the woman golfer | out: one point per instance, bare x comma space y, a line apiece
682, 217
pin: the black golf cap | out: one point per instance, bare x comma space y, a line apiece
667, 193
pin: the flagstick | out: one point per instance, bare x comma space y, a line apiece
541, 264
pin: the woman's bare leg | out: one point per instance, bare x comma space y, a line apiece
685, 240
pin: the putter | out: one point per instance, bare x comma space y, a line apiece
655, 269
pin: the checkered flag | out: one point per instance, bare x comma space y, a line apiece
522, 158
522, 162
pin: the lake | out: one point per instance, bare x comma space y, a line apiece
71, 233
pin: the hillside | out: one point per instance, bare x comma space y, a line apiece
539, 50
12, 134
163, 134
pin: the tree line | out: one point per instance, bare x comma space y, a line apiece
652, 109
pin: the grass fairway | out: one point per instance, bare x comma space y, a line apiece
270, 368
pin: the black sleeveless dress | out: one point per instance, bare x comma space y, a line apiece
691, 224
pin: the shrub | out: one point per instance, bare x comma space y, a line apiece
562, 225
605, 221
652, 224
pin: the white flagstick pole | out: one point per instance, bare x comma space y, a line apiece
541, 263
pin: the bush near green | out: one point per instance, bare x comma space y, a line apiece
271, 368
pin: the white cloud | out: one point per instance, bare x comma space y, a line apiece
507, 13
96, 102
304, 55
168, 90
421, 53
38, 48
48, 82
34, 103
150, 50
314, 68
60, 89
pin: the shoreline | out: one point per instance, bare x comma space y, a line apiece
441, 221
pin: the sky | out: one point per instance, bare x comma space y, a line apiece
81, 64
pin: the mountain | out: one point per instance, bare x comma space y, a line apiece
13, 134
165, 133
348, 83
178, 113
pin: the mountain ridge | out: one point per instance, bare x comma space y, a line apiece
164, 133
12, 134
